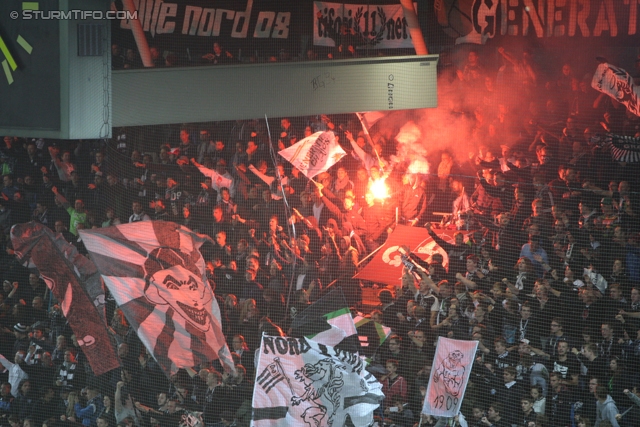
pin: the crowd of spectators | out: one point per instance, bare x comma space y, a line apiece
129, 58
347, 45
544, 272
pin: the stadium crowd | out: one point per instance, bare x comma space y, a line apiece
544, 272
348, 45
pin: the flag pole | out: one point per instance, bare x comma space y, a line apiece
277, 361
291, 227
370, 255
369, 140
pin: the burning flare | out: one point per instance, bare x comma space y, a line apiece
379, 189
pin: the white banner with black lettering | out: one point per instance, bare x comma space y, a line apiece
315, 153
377, 26
449, 377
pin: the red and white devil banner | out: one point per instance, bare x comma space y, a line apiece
449, 377
157, 276
618, 84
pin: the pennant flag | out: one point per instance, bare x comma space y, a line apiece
371, 334
386, 266
315, 153
157, 276
218, 181
329, 322
449, 377
70, 276
367, 120
618, 84
303, 383
191, 419
271, 375
370, 118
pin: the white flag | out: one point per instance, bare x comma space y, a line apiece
618, 84
449, 377
300, 382
315, 153
370, 118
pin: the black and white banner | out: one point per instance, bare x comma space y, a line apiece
301, 383
234, 19
476, 21
189, 28
623, 148
377, 26
315, 153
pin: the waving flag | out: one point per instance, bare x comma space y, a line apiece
218, 181
328, 321
367, 120
300, 382
618, 84
68, 275
370, 118
371, 334
386, 265
623, 148
315, 153
449, 377
156, 274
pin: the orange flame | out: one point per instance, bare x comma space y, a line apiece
379, 189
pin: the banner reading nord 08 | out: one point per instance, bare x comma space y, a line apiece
188, 28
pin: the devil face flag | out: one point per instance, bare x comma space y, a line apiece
157, 276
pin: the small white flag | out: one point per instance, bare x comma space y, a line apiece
370, 118
618, 84
315, 153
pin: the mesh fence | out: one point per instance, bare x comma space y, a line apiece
507, 216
